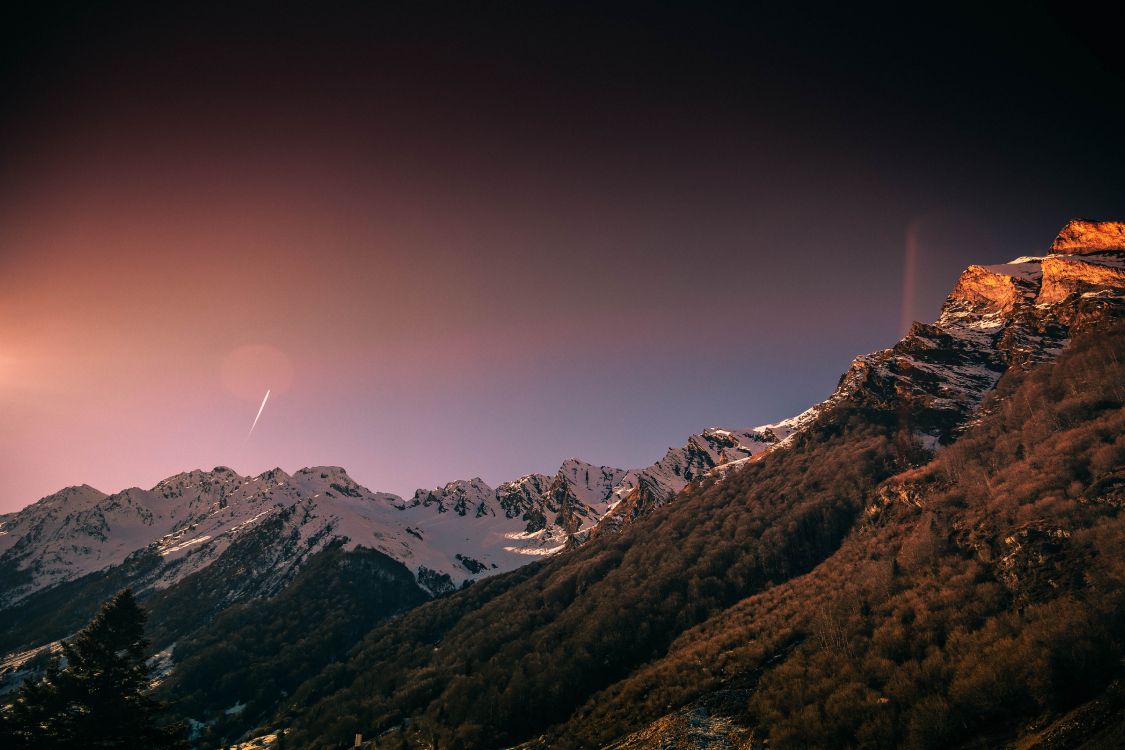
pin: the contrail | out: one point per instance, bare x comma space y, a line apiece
260, 408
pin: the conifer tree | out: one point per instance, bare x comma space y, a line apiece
96, 694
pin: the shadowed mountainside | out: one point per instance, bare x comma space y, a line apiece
856, 587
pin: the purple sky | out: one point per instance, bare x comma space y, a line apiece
460, 246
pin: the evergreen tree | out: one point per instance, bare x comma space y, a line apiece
97, 694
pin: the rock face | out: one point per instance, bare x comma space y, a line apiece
1081, 237
997, 316
996, 288
642, 490
1093, 274
696, 727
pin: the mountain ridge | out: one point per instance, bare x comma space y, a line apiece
859, 587
188, 519
996, 316
190, 529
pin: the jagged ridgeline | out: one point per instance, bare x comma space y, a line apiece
848, 588
956, 496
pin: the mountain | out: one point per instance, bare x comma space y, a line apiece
446, 535
201, 541
997, 316
584, 579
928, 558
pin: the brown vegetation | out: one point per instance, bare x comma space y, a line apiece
921, 631
860, 599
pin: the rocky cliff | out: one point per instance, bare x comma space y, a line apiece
998, 316
1080, 236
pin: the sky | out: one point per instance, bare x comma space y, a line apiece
475, 240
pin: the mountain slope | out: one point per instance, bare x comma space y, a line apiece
474, 671
980, 593
200, 542
730, 514
255, 651
529, 658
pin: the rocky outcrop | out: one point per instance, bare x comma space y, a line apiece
1081, 237
994, 289
642, 490
1014, 314
709, 724
1033, 561
641, 499
1108, 489
463, 497
1065, 275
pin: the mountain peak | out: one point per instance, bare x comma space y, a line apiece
81, 489
573, 463
276, 473
325, 472
69, 495
1081, 236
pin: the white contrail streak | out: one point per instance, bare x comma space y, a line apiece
259, 416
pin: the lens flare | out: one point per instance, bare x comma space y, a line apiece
909, 277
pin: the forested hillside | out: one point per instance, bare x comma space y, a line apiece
230, 673
976, 594
928, 557
843, 592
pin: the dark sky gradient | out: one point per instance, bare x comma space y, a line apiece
478, 241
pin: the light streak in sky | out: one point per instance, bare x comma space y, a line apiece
259, 415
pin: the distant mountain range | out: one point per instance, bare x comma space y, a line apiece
204, 542
447, 535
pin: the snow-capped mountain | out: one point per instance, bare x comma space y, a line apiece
182, 524
642, 490
997, 316
445, 535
